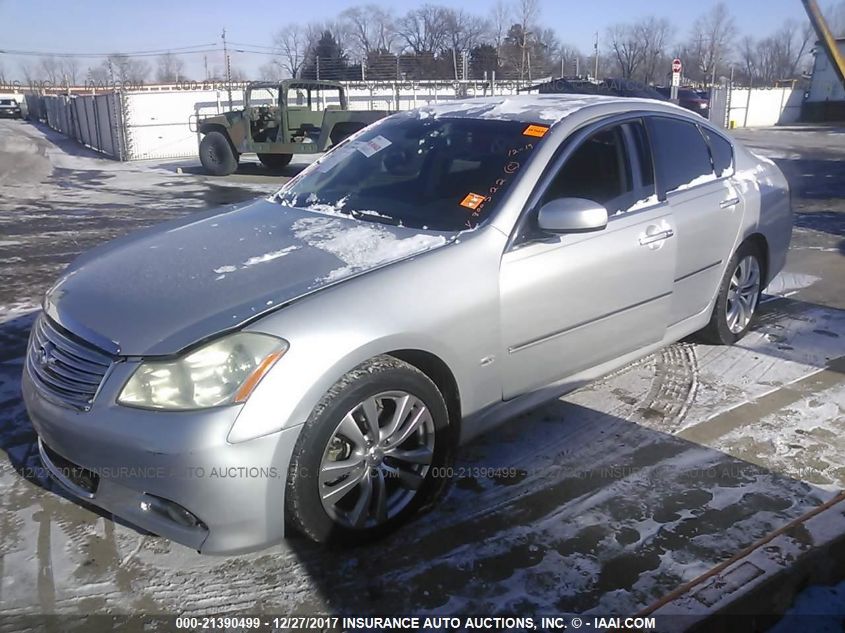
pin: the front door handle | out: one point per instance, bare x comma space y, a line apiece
727, 204
648, 239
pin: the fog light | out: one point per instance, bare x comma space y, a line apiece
170, 510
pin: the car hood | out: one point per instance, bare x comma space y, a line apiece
160, 290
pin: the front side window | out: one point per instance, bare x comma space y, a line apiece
597, 170
446, 174
600, 170
682, 156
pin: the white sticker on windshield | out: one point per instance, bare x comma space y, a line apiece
331, 160
368, 148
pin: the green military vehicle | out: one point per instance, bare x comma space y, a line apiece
294, 116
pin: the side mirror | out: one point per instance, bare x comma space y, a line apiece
572, 215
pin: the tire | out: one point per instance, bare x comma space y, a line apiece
355, 516
745, 266
216, 155
275, 162
342, 130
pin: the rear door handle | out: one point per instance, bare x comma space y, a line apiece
732, 202
653, 238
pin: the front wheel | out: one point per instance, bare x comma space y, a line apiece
370, 455
216, 155
739, 296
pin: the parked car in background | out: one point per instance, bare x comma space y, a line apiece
278, 120
432, 276
689, 99
615, 87
10, 108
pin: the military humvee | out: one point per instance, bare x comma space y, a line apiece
294, 116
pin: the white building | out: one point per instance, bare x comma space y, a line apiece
826, 96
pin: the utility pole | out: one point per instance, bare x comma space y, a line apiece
205, 64
596, 48
228, 69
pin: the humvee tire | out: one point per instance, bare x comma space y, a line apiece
275, 162
216, 154
343, 129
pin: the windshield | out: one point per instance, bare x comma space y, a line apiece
422, 172
7, 102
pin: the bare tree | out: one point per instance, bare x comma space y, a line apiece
655, 33
50, 69
170, 68
28, 73
712, 34
464, 30
369, 29
424, 30
570, 59
70, 70
628, 47
499, 25
748, 59
293, 44
795, 38
272, 71
98, 75
527, 12
776, 57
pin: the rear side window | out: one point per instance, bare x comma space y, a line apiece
681, 154
721, 151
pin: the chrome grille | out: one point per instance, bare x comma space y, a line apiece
65, 368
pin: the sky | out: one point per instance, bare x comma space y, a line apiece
99, 26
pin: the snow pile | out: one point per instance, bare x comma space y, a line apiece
362, 246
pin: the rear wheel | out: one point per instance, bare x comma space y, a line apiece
216, 155
342, 130
275, 162
739, 296
370, 454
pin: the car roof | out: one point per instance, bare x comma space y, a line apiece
536, 108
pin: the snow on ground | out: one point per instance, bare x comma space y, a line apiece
602, 501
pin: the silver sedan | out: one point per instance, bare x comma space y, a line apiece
314, 359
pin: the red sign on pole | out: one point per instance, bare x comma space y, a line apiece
676, 65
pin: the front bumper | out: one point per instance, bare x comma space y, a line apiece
11, 114
236, 491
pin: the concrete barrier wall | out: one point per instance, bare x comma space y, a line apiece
139, 125
160, 124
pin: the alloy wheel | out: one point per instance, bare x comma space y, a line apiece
376, 459
743, 294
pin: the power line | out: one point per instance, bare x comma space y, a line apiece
181, 50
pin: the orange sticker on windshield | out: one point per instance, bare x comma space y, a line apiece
535, 130
472, 201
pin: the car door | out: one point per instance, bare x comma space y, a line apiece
574, 301
707, 208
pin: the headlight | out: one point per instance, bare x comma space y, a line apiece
222, 372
